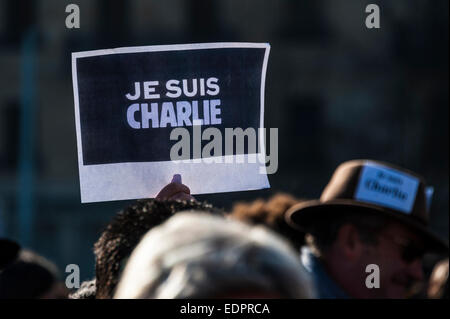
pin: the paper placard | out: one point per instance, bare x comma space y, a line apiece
128, 101
387, 187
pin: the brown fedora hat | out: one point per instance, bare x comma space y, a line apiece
372, 187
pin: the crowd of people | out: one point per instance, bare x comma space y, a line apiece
349, 243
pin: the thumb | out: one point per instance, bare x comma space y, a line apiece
176, 179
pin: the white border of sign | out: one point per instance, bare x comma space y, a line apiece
120, 181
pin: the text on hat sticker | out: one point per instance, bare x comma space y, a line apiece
387, 187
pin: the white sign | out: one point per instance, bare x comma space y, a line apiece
387, 187
132, 103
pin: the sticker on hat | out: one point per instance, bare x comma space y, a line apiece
387, 187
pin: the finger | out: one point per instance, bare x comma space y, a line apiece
171, 189
176, 179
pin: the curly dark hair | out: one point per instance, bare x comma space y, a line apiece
125, 231
270, 213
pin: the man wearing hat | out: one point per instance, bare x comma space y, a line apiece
370, 213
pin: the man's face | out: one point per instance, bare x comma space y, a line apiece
397, 254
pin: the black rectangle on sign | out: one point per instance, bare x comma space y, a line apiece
105, 80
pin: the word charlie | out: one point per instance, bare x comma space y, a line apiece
178, 113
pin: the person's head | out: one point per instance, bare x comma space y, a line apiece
370, 213
124, 232
26, 275
201, 256
355, 239
271, 214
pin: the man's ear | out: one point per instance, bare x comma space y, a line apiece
349, 242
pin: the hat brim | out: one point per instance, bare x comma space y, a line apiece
305, 214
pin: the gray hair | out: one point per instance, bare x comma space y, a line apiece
201, 256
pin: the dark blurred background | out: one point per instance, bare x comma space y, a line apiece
335, 90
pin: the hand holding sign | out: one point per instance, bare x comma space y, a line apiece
175, 190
